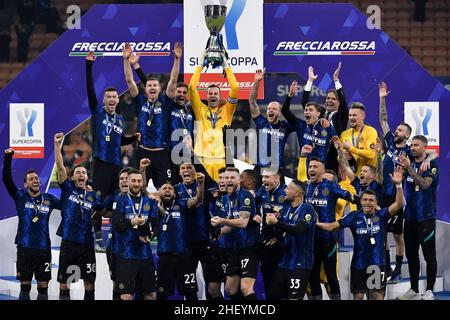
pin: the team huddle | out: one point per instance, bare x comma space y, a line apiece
204, 210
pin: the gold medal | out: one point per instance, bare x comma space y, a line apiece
149, 123
107, 138
164, 227
417, 188
35, 219
372, 241
135, 226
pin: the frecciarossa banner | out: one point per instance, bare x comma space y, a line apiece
294, 37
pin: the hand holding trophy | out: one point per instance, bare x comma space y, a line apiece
215, 19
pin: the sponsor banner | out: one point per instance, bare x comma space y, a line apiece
114, 49
26, 129
423, 117
242, 37
321, 48
245, 81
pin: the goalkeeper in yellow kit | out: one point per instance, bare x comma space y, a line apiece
211, 119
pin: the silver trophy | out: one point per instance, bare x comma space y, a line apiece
215, 20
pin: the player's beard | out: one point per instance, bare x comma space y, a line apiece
134, 191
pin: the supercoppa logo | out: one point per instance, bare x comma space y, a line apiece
421, 117
26, 118
230, 23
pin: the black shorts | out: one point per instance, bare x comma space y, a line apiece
111, 258
395, 223
360, 279
290, 284
216, 265
105, 179
159, 169
243, 263
33, 261
135, 273
200, 252
179, 268
76, 260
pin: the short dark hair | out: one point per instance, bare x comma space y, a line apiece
134, 171
314, 104
334, 91
232, 169
182, 85
369, 192
212, 86
76, 167
335, 177
152, 79
372, 169
125, 170
421, 138
358, 105
109, 89
274, 171
252, 174
407, 127
299, 185
27, 173
222, 170
316, 159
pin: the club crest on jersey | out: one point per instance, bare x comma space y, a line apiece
434, 170
376, 219
308, 217
325, 192
280, 198
146, 207
324, 133
247, 201
90, 198
46, 202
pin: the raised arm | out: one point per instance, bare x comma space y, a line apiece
92, 97
132, 87
172, 85
308, 87
343, 160
134, 61
379, 167
200, 191
383, 112
144, 163
254, 108
234, 88
397, 178
62, 174
342, 112
302, 170
6, 174
285, 109
194, 96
